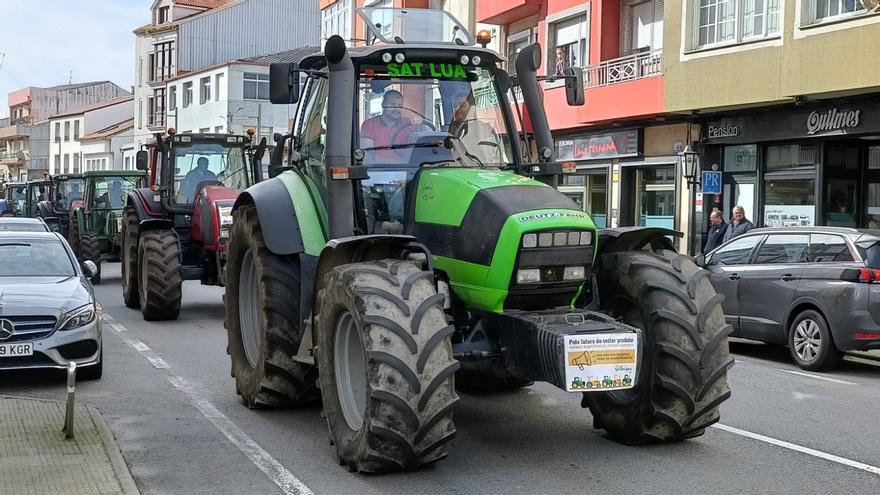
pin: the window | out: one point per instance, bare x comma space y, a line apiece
783, 249
825, 10
643, 26
162, 61
218, 86
127, 163
57, 164
737, 252
151, 111
151, 59
733, 21
67, 131
384, 18
789, 202
57, 132
67, 164
140, 113
219, 129
256, 86
187, 94
336, 19
741, 158
172, 98
159, 109
515, 43
75, 130
826, 248
311, 131
204, 90
163, 15
204, 130
76, 163
790, 156
571, 38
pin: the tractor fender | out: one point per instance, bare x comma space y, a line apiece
149, 212
635, 238
80, 219
278, 220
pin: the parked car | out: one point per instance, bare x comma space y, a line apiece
22, 224
814, 289
48, 313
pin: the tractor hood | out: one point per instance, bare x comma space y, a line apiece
474, 220
212, 216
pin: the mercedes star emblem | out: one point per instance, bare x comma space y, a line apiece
7, 329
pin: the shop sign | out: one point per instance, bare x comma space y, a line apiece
832, 120
789, 215
711, 183
611, 145
724, 131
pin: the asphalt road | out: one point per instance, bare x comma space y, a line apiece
168, 396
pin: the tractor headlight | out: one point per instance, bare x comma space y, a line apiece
559, 238
78, 317
573, 273
586, 238
530, 240
545, 239
528, 276
224, 213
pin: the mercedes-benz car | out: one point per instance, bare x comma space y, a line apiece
48, 313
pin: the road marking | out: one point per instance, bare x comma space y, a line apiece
817, 377
118, 328
799, 448
284, 479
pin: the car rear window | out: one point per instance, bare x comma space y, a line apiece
22, 227
783, 249
828, 248
870, 252
35, 258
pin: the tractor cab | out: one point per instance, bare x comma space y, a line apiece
66, 189
15, 194
38, 191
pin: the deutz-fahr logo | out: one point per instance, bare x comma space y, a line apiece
555, 214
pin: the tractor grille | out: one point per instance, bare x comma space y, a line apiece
30, 327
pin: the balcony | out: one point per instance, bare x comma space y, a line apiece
506, 11
12, 157
629, 68
156, 120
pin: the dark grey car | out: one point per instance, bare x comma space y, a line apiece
815, 289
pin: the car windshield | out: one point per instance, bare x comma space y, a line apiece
207, 162
67, 191
35, 258
110, 192
415, 113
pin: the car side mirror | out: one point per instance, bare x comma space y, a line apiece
574, 86
283, 83
141, 160
700, 260
90, 268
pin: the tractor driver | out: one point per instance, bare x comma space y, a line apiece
112, 198
195, 177
387, 128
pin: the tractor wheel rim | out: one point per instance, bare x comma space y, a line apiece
807, 340
351, 371
249, 309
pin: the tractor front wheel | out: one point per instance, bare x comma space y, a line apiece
682, 378
91, 250
130, 228
262, 320
385, 364
160, 279
73, 236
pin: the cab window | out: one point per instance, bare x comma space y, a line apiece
313, 132
783, 249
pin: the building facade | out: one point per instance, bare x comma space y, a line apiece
68, 130
190, 35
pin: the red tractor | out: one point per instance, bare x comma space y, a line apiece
177, 228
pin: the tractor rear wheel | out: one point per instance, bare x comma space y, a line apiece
91, 250
682, 379
160, 280
262, 320
73, 237
129, 257
384, 354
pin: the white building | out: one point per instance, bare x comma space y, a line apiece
66, 131
185, 36
110, 148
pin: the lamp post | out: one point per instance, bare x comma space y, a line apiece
689, 161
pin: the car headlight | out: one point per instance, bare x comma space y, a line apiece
78, 317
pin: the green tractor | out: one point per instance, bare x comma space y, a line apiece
15, 199
96, 220
55, 210
400, 252
37, 191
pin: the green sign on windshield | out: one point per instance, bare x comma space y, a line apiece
427, 69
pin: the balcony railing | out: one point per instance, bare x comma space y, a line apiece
7, 157
629, 68
156, 119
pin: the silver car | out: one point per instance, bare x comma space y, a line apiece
814, 289
48, 313
23, 224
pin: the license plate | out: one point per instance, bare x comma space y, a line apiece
599, 362
15, 350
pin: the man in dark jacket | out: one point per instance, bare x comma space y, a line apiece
717, 228
739, 225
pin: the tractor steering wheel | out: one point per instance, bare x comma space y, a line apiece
401, 152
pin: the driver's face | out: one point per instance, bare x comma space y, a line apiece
391, 107
461, 106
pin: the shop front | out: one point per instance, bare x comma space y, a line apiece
802, 166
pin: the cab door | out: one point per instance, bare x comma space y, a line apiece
726, 266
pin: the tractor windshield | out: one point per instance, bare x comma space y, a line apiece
67, 191
425, 113
38, 192
16, 194
110, 192
208, 162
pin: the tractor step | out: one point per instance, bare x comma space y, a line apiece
575, 350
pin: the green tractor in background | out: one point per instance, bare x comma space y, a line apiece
64, 189
14, 198
38, 190
410, 245
96, 219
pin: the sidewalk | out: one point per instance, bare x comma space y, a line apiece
35, 458
873, 355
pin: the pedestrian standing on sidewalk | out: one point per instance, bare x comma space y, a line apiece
739, 225
717, 229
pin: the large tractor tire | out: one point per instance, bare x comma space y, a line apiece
129, 255
160, 279
90, 249
682, 378
262, 320
54, 226
384, 354
73, 237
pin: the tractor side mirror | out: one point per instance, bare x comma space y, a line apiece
283, 83
574, 86
700, 260
90, 269
141, 160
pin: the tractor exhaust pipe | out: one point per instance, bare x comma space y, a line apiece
527, 63
340, 193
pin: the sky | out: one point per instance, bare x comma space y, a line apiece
45, 40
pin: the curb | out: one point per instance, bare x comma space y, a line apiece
126, 482
872, 356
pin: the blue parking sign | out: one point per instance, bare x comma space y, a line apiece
711, 183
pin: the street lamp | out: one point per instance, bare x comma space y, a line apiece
689, 160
